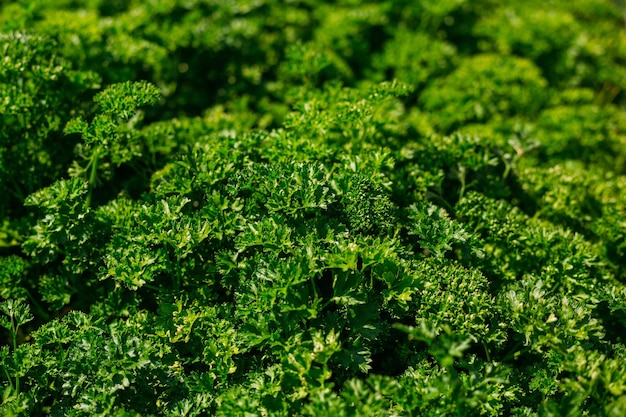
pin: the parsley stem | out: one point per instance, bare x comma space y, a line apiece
487, 354
14, 330
41, 312
92, 175
6, 372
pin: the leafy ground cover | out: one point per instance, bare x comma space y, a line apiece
316, 208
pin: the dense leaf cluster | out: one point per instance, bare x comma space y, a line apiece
317, 208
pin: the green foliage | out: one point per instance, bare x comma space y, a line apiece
315, 208
12, 271
415, 57
588, 133
35, 84
483, 87
111, 133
